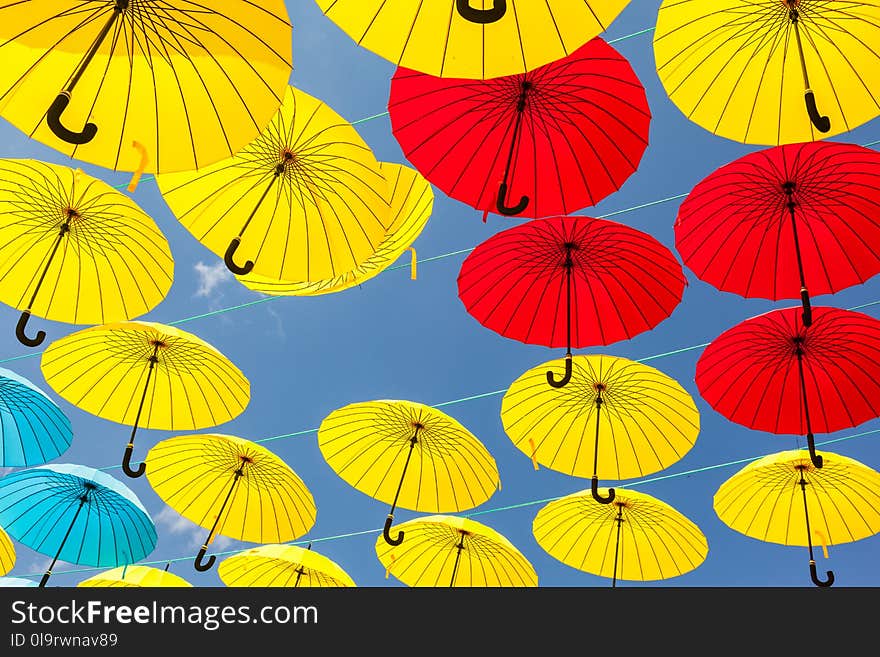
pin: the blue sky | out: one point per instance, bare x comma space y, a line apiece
395, 338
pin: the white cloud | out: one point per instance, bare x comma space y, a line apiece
192, 535
211, 277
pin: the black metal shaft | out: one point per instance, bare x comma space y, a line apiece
569, 269
279, 169
65, 228
235, 479
154, 359
118, 10
619, 520
789, 191
412, 444
794, 16
517, 127
458, 548
48, 573
599, 402
803, 484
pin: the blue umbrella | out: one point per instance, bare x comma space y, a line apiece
33, 430
16, 581
76, 514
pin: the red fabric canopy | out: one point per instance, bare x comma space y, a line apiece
735, 229
623, 282
750, 373
581, 131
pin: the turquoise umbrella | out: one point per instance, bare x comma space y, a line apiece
76, 514
33, 430
16, 582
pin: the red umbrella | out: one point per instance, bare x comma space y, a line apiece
613, 281
771, 373
555, 140
785, 222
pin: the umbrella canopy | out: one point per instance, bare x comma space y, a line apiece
76, 514
613, 281
783, 498
771, 72
785, 222
304, 201
33, 430
547, 142
467, 39
412, 202
636, 538
16, 582
771, 373
74, 249
232, 486
143, 86
282, 566
135, 576
7, 553
145, 374
450, 551
371, 445
616, 418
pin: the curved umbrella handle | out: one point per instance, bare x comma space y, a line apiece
230, 263
551, 377
202, 567
53, 119
594, 487
506, 210
482, 16
815, 577
126, 464
815, 458
19, 331
822, 123
386, 532
808, 309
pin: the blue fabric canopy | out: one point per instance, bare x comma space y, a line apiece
76, 514
33, 430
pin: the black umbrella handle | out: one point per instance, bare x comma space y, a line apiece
53, 119
507, 210
20, 334
481, 16
822, 123
594, 488
808, 309
230, 262
204, 566
386, 532
551, 377
126, 464
817, 459
815, 577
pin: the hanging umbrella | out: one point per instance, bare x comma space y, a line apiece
412, 201
371, 445
143, 86
304, 201
33, 430
462, 38
76, 514
7, 553
616, 418
785, 222
74, 249
145, 374
135, 576
770, 373
613, 281
636, 538
783, 498
771, 71
551, 141
282, 566
231, 486
450, 551
16, 582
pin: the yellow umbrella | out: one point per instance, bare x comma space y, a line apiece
450, 551
231, 486
474, 39
616, 417
412, 201
165, 86
135, 576
771, 72
73, 249
305, 201
282, 566
371, 446
7, 553
145, 374
783, 498
636, 538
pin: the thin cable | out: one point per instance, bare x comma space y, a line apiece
510, 507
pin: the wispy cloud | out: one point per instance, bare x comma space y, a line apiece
192, 535
211, 277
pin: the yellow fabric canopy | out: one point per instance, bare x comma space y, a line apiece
7, 553
135, 577
282, 566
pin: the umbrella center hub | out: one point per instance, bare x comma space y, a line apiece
288, 158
